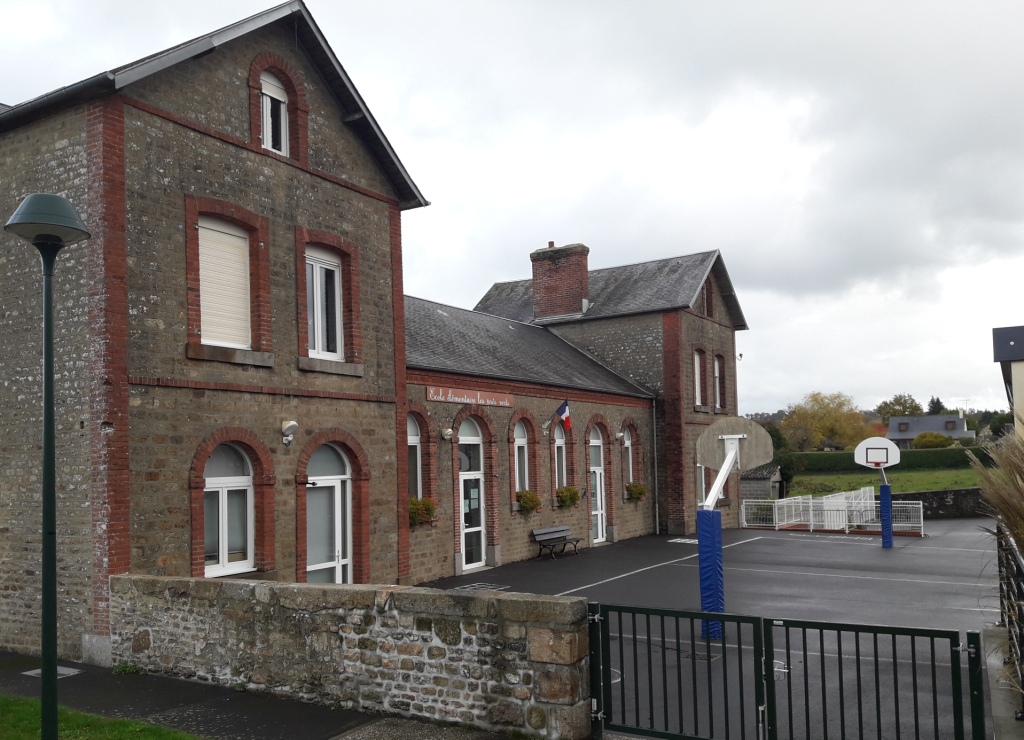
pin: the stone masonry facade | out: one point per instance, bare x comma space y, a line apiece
498, 661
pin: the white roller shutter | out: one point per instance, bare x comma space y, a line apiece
224, 302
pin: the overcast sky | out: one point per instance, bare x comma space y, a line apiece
859, 165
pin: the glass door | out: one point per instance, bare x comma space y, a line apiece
471, 481
328, 523
598, 517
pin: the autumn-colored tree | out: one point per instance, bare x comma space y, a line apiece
821, 416
902, 404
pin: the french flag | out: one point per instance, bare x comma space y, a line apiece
563, 411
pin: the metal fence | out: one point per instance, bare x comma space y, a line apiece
1011, 607
660, 673
852, 511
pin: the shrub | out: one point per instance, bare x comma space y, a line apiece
636, 491
568, 496
528, 501
931, 441
421, 511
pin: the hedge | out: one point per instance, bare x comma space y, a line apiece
842, 462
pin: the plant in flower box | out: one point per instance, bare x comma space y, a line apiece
421, 511
567, 496
636, 491
528, 501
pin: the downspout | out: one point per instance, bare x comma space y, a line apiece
654, 432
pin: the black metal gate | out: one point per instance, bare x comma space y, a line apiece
668, 674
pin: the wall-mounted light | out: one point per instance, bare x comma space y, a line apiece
447, 434
288, 429
619, 436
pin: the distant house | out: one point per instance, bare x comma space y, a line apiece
903, 429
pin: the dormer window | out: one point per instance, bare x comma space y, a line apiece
275, 114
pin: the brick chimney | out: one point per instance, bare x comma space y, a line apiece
560, 282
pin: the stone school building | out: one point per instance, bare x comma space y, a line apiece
244, 390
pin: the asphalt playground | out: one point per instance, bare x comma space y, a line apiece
945, 580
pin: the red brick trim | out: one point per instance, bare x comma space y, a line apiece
417, 376
259, 266
402, 405
673, 488
298, 109
360, 501
490, 462
348, 254
428, 443
532, 457
263, 483
242, 143
570, 457
267, 390
108, 319
608, 459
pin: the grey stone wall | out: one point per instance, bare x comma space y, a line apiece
499, 661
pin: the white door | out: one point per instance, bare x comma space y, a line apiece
598, 517
471, 482
329, 519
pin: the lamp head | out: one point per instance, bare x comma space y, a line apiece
43, 218
288, 429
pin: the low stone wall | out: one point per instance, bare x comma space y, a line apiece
499, 661
952, 504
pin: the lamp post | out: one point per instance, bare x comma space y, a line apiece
50, 223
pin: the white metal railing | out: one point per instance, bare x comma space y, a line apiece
855, 511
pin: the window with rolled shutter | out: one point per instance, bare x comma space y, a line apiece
224, 301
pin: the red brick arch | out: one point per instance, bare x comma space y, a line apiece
490, 461
263, 483
532, 454
360, 501
298, 108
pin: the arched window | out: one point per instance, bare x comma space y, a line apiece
415, 458
228, 528
561, 472
471, 484
274, 107
521, 457
329, 517
698, 378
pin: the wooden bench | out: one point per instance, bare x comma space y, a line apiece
551, 537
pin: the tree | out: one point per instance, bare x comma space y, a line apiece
778, 439
999, 423
935, 406
820, 416
902, 404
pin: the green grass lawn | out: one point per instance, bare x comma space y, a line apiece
19, 720
901, 482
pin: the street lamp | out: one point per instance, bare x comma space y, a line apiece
50, 223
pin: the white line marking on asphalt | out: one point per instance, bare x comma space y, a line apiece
649, 567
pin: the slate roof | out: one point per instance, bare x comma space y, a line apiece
930, 423
659, 285
449, 339
355, 113
761, 472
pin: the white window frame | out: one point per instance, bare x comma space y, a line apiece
698, 382
561, 470
318, 262
521, 457
221, 486
701, 485
470, 434
415, 456
273, 91
718, 382
627, 449
225, 292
